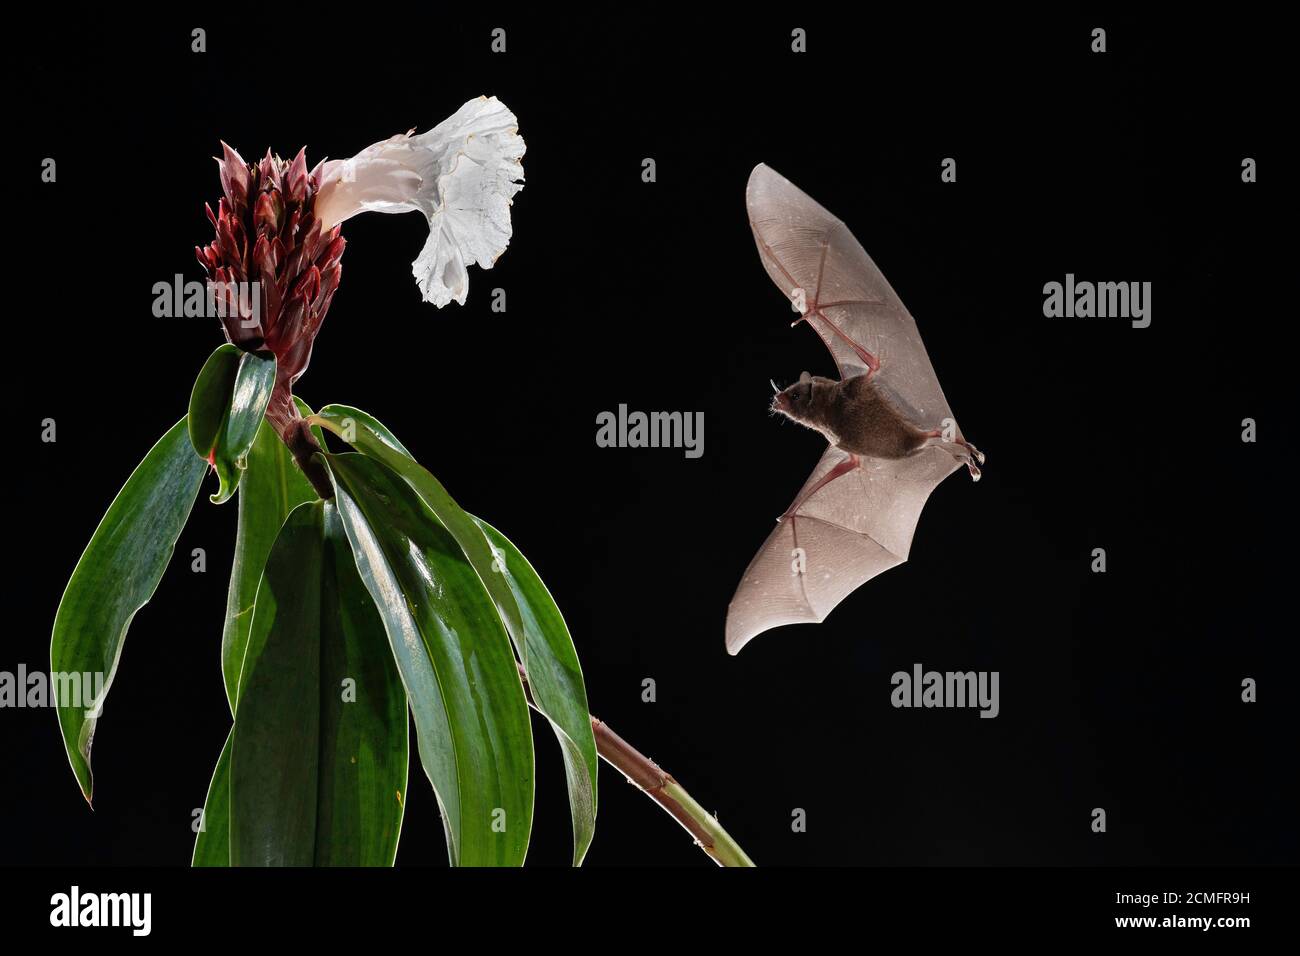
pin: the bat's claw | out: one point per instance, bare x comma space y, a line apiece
973, 458
972, 453
964, 452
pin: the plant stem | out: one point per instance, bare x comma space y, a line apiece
305, 450
296, 434
660, 787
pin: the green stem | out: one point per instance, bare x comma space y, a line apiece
660, 787
724, 849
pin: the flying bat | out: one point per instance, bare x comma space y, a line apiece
892, 436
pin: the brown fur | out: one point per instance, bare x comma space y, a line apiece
853, 414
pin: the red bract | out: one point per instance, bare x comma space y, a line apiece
266, 232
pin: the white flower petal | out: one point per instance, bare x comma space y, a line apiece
460, 174
380, 178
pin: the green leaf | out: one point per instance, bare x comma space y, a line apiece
319, 748
555, 678
117, 574
363, 764
530, 614
210, 398
272, 487
212, 845
226, 408
454, 656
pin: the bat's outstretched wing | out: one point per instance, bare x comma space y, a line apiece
841, 536
861, 523
814, 259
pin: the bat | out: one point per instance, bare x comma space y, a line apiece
892, 437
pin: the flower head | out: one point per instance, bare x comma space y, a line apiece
277, 224
268, 233
461, 175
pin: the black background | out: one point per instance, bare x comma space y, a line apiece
1118, 690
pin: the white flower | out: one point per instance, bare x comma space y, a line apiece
460, 174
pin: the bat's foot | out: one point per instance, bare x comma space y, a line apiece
963, 451
973, 453
974, 458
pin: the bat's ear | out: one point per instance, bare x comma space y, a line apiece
804, 377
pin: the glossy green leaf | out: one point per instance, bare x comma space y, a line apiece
210, 398
227, 405
253, 387
212, 845
455, 660
526, 607
319, 748
271, 488
555, 678
116, 576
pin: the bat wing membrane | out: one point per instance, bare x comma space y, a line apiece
842, 536
815, 260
